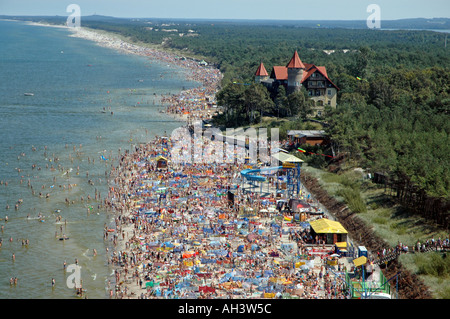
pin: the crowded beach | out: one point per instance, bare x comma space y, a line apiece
195, 228
177, 233
190, 228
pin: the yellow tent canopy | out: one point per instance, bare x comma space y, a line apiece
341, 244
360, 261
283, 157
326, 226
160, 158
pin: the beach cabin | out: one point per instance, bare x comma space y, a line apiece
329, 230
310, 137
161, 162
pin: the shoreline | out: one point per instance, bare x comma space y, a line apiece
191, 104
208, 79
192, 99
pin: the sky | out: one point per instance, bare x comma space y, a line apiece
234, 9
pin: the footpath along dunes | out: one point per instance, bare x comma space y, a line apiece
410, 286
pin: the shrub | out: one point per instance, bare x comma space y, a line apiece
353, 199
433, 264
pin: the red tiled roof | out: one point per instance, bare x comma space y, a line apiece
279, 73
307, 74
295, 62
308, 66
261, 71
322, 70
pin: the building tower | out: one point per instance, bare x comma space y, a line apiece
261, 73
295, 69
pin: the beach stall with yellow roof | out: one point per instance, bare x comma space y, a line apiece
331, 231
161, 162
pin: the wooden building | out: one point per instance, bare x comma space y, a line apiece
311, 137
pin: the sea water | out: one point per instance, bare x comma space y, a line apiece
58, 145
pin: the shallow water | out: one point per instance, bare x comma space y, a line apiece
64, 130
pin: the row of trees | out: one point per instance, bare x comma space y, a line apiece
245, 104
397, 122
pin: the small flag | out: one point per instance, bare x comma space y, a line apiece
301, 150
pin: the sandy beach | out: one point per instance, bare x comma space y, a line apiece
180, 237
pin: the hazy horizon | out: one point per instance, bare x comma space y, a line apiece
290, 10
218, 19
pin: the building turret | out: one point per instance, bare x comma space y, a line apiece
295, 69
261, 73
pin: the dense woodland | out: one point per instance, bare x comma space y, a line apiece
393, 103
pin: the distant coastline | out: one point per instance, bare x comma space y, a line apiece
208, 76
177, 106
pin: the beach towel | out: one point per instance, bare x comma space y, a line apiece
206, 289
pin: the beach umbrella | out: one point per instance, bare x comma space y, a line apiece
304, 268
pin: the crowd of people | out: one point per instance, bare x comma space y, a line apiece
197, 103
179, 234
431, 244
